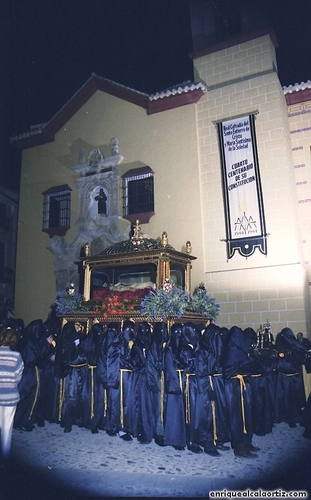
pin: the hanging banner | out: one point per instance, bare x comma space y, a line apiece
244, 211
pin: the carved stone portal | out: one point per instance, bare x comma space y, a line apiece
100, 230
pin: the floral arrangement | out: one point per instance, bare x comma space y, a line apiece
68, 302
202, 304
169, 300
165, 302
112, 305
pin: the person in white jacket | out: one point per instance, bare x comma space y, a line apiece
11, 370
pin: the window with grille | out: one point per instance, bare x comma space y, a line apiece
56, 210
138, 194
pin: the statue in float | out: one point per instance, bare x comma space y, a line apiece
140, 279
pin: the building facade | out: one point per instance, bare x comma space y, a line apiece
171, 161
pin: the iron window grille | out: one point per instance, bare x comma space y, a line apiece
56, 210
138, 194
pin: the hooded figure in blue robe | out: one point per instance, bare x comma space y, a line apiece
174, 378
32, 346
238, 367
95, 410
141, 412
212, 421
155, 378
262, 383
74, 371
123, 405
188, 349
290, 398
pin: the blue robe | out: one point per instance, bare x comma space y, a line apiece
140, 400
74, 362
212, 422
174, 382
155, 377
290, 398
29, 387
237, 369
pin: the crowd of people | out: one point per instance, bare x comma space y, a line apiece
200, 387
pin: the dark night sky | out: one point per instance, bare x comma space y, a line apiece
51, 47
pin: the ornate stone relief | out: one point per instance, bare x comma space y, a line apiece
100, 230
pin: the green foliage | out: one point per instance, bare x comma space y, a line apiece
202, 304
169, 301
164, 303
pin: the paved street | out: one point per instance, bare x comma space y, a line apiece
49, 464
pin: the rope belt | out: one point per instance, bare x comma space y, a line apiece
242, 388
213, 412
290, 374
61, 398
105, 402
37, 392
92, 368
162, 397
122, 370
187, 396
77, 366
179, 371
